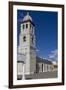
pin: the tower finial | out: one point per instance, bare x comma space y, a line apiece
27, 13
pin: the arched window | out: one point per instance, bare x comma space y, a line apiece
26, 26
23, 26
24, 38
42, 67
30, 26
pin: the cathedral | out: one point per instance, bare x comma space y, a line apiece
26, 53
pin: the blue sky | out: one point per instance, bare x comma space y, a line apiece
46, 31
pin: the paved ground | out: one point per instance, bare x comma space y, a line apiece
41, 75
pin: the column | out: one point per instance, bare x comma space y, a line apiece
23, 75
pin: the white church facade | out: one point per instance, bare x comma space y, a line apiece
27, 50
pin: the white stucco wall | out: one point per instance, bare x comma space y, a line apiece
19, 68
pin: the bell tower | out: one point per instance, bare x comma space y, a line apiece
27, 43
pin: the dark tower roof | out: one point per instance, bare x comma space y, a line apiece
41, 60
27, 17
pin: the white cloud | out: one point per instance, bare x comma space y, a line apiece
37, 50
53, 55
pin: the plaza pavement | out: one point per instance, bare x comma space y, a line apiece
42, 75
